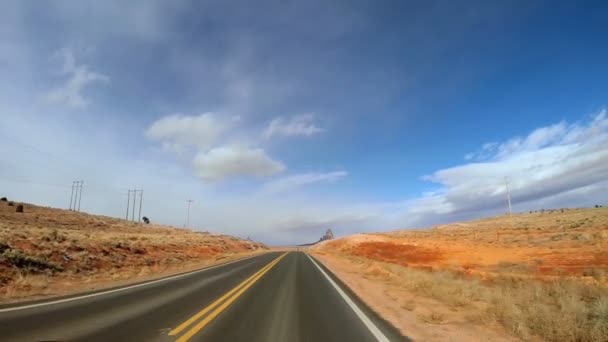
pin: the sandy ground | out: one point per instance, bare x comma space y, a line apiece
563, 243
419, 318
532, 276
46, 252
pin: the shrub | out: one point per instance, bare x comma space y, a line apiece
433, 318
561, 310
19, 208
4, 199
11, 203
146, 220
28, 263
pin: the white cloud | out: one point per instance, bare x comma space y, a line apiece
177, 131
486, 151
539, 138
289, 183
542, 168
79, 77
217, 154
234, 161
301, 125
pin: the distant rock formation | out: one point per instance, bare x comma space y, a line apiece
328, 235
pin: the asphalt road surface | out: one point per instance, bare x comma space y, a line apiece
271, 297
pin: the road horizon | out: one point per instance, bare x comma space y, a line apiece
275, 296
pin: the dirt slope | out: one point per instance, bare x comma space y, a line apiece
541, 275
47, 251
561, 243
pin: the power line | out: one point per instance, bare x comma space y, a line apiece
103, 188
13, 180
76, 189
16, 142
63, 160
141, 199
30, 147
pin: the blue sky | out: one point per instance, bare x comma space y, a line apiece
283, 118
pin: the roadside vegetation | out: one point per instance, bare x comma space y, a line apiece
45, 251
542, 276
558, 310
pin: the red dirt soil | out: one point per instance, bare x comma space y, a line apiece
402, 254
563, 243
43, 248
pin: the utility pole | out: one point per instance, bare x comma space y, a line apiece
508, 195
80, 197
72, 194
76, 186
188, 217
134, 208
76, 195
134, 198
141, 199
128, 203
73, 207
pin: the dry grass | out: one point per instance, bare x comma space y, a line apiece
550, 227
409, 305
43, 250
572, 243
560, 310
433, 317
540, 275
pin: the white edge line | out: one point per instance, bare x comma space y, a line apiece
366, 321
59, 301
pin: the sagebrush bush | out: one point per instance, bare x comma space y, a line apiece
561, 310
19, 208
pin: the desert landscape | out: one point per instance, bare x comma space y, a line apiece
532, 276
536, 276
46, 251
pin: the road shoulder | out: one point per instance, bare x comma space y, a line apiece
412, 316
66, 291
387, 329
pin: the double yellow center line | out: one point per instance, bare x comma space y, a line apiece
220, 304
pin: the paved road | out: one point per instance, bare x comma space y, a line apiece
272, 297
